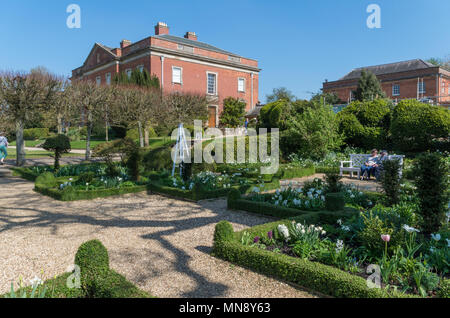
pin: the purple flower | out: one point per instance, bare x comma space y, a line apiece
270, 235
256, 240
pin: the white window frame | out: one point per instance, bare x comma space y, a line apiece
207, 83
181, 75
243, 85
128, 72
396, 90
98, 80
421, 87
140, 68
108, 78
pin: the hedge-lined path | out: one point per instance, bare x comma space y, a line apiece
160, 244
363, 185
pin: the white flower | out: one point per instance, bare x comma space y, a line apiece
410, 229
36, 281
448, 242
339, 246
436, 237
352, 196
345, 228
339, 222
284, 231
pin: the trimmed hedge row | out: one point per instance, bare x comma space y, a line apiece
319, 277
236, 202
197, 194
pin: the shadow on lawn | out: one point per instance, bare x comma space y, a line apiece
28, 209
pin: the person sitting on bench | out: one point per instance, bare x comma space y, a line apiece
370, 165
379, 167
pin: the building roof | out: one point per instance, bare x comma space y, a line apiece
255, 111
403, 66
193, 43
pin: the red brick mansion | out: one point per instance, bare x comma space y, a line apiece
182, 64
402, 80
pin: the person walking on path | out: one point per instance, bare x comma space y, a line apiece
3, 148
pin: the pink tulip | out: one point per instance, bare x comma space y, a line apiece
386, 237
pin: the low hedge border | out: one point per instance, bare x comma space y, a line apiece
236, 202
76, 195
316, 276
198, 195
24, 173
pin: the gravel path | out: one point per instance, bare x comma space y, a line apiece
160, 244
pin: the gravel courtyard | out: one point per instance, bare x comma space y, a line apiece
160, 244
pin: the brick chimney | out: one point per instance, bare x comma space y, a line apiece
191, 36
125, 43
161, 28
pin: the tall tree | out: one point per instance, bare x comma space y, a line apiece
442, 62
183, 108
280, 93
369, 87
233, 112
90, 99
21, 96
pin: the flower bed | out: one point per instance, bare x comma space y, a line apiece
265, 249
208, 185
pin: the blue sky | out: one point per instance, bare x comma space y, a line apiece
298, 43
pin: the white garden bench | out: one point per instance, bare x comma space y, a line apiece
357, 160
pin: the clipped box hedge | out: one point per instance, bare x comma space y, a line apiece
316, 276
198, 194
47, 184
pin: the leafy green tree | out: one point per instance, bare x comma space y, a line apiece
59, 145
275, 114
280, 93
311, 134
233, 112
326, 98
442, 62
369, 87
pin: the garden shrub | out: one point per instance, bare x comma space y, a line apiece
311, 134
366, 124
93, 260
274, 115
233, 113
35, 133
47, 179
444, 289
391, 180
134, 133
416, 127
233, 195
59, 145
333, 182
86, 177
158, 159
334, 201
431, 180
319, 277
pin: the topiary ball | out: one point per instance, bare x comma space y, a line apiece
93, 260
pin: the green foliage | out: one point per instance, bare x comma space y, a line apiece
366, 124
333, 182
369, 87
46, 179
158, 159
233, 195
59, 144
35, 133
86, 177
280, 93
444, 289
391, 180
418, 127
93, 260
431, 180
233, 113
274, 115
319, 277
334, 201
223, 232
312, 134
134, 133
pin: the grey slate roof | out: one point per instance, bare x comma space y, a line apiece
255, 111
404, 66
193, 43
